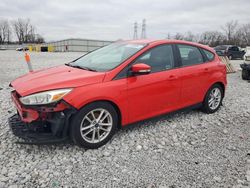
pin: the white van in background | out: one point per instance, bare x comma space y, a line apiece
247, 54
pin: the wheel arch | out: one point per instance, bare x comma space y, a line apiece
220, 84
117, 109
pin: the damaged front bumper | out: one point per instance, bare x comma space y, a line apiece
41, 124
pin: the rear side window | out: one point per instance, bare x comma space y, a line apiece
190, 55
234, 48
209, 55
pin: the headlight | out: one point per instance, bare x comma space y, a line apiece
46, 97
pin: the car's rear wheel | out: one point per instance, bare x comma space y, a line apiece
94, 125
213, 99
230, 57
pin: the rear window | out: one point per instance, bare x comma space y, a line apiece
209, 55
220, 48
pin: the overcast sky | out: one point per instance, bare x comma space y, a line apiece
114, 19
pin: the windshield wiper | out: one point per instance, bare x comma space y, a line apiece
68, 64
86, 68
80, 67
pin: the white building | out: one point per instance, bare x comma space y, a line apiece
77, 45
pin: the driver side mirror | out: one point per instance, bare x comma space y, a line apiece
140, 69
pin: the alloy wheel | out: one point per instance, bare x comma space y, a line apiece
214, 99
96, 125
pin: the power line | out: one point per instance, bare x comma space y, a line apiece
143, 29
135, 30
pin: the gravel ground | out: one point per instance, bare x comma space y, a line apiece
187, 149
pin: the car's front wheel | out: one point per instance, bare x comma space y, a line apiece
94, 125
213, 99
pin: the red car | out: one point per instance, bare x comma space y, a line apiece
89, 98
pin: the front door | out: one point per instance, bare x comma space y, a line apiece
157, 92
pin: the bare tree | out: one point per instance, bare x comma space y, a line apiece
231, 33
189, 36
30, 35
1, 33
168, 36
39, 39
24, 30
179, 36
212, 38
8, 33
18, 29
5, 31
245, 33
230, 30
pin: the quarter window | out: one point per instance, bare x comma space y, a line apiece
190, 55
159, 58
210, 55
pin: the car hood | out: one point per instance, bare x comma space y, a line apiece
55, 78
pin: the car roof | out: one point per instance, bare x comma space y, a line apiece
150, 41
167, 41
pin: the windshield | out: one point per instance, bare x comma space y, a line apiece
108, 57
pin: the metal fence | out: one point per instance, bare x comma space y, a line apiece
68, 45
9, 46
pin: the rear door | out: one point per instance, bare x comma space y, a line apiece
194, 74
235, 52
157, 92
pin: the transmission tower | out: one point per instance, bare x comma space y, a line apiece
135, 30
143, 29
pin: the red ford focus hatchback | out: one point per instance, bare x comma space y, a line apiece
89, 98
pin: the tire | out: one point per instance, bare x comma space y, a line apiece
245, 74
207, 106
230, 57
91, 118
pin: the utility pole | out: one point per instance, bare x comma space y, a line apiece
135, 30
143, 30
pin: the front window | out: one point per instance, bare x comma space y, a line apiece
108, 57
159, 58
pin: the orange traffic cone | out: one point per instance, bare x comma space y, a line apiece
27, 58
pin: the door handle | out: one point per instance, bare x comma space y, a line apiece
206, 70
172, 77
